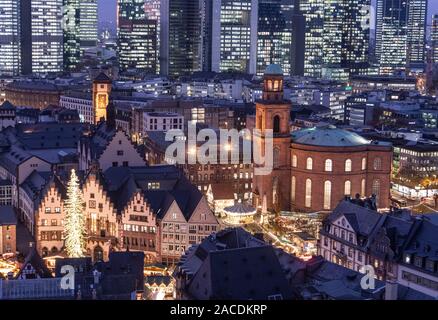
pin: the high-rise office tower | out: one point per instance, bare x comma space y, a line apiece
71, 29
180, 37
137, 37
434, 38
234, 35
137, 43
337, 36
88, 24
274, 35
416, 46
152, 12
130, 9
47, 36
400, 35
346, 37
10, 42
313, 11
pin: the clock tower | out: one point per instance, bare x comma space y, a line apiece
272, 192
101, 94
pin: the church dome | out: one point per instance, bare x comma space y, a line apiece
274, 69
328, 136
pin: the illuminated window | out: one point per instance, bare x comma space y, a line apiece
376, 188
327, 194
347, 165
308, 200
377, 164
309, 164
328, 165
294, 161
293, 188
364, 163
362, 188
347, 188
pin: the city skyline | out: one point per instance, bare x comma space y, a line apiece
107, 10
253, 150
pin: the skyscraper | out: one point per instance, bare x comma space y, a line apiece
71, 29
313, 11
337, 37
234, 35
137, 37
400, 35
180, 37
130, 9
274, 34
346, 37
152, 12
47, 36
417, 21
88, 24
434, 38
10, 43
137, 43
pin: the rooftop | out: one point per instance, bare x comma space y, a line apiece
328, 136
274, 69
7, 216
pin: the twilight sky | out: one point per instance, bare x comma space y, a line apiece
107, 9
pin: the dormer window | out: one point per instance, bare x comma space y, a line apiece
430, 265
419, 262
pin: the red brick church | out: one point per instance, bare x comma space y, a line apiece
315, 168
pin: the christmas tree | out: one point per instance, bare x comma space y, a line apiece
74, 228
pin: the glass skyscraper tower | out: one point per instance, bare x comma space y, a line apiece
274, 34
88, 27
10, 43
71, 29
337, 37
47, 35
137, 37
234, 35
180, 37
400, 35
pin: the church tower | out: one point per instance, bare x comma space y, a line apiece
101, 94
272, 192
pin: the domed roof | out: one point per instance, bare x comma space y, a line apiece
328, 136
274, 69
240, 208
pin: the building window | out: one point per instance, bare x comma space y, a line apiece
276, 158
377, 164
277, 124
347, 188
294, 161
328, 165
364, 163
293, 188
362, 188
376, 188
348, 165
327, 194
308, 200
120, 152
309, 164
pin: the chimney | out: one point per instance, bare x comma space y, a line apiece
391, 289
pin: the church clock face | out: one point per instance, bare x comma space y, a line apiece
102, 101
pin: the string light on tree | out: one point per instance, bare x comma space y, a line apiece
74, 221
